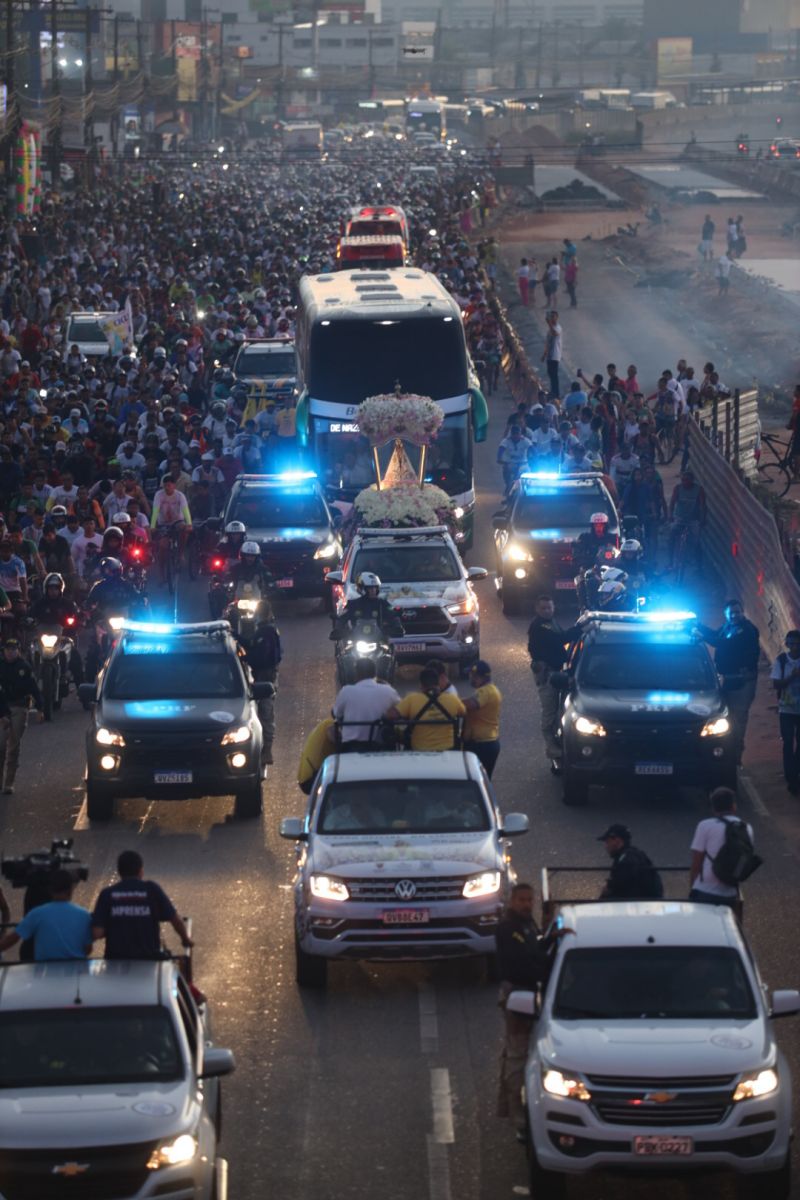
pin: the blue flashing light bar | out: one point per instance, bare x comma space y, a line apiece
540, 475
296, 476
668, 617
146, 627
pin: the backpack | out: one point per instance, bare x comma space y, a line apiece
736, 859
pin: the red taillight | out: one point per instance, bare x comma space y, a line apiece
216, 563
70, 620
136, 552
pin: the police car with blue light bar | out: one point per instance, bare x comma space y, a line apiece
175, 716
642, 705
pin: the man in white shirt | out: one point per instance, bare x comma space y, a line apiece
365, 701
88, 537
708, 840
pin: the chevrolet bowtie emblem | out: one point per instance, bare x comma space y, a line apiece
659, 1097
70, 1169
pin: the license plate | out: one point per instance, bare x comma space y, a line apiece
173, 776
406, 916
565, 585
654, 768
411, 647
284, 583
656, 1146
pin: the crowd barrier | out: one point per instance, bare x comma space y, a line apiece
733, 428
522, 379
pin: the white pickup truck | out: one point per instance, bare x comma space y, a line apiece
654, 1050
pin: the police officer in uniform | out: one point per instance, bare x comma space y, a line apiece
18, 687
547, 643
368, 607
263, 654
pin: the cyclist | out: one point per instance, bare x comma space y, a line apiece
369, 606
170, 511
13, 573
665, 411
55, 608
687, 511
596, 538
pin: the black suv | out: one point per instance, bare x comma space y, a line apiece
642, 705
288, 515
175, 716
535, 534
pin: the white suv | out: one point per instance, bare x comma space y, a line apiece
654, 1051
401, 856
425, 580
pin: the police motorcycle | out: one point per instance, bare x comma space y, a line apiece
218, 564
359, 633
53, 628
247, 591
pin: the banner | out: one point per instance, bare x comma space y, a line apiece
28, 156
118, 328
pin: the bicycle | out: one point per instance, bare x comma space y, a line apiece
778, 472
666, 441
171, 557
687, 543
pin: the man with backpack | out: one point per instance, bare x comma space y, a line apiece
722, 853
632, 875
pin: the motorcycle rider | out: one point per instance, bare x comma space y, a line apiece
111, 596
229, 546
112, 542
263, 655
588, 582
249, 569
55, 608
369, 606
135, 547
597, 537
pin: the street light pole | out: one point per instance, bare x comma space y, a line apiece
55, 136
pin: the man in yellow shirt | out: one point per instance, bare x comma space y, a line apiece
431, 715
319, 744
482, 726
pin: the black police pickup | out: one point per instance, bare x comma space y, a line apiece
175, 716
536, 533
642, 706
288, 515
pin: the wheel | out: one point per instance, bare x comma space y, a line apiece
249, 804
576, 790
49, 685
667, 445
99, 803
311, 971
544, 1185
777, 1185
777, 477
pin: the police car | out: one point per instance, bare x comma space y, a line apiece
535, 534
643, 705
175, 716
267, 367
288, 515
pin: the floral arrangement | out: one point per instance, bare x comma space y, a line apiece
405, 506
413, 418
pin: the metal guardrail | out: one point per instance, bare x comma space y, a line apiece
732, 426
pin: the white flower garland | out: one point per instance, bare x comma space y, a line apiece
412, 418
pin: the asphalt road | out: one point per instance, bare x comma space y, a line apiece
385, 1085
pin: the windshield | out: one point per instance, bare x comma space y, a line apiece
143, 673
78, 1047
85, 331
638, 666
407, 564
682, 982
264, 365
567, 512
278, 509
345, 458
418, 806
367, 227
352, 359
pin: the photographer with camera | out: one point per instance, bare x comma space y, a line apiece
59, 929
36, 873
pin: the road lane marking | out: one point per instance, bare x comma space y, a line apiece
749, 789
428, 1019
442, 1105
82, 822
438, 1171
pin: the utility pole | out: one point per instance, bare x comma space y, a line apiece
56, 132
279, 89
539, 56
115, 114
12, 112
174, 70
580, 53
88, 105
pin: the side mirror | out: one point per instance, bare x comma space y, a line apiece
474, 574
216, 1062
523, 1003
560, 679
499, 521
294, 829
514, 824
785, 1003
87, 693
263, 690
334, 577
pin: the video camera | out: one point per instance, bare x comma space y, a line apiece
36, 870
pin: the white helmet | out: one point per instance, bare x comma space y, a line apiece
612, 575
609, 592
251, 548
235, 527
599, 518
121, 518
631, 546
367, 579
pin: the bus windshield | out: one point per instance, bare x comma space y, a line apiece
352, 359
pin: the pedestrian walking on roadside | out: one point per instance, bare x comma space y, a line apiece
547, 643
723, 273
551, 280
571, 281
785, 676
632, 875
737, 651
482, 722
551, 355
523, 276
18, 687
706, 246
705, 886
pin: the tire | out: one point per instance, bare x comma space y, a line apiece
311, 971
576, 790
49, 685
249, 804
777, 1185
99, 803
544, 1185
777, 477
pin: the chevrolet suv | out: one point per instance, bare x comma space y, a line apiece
175, 716
424, 579
267, 367
401, 856
109, 1082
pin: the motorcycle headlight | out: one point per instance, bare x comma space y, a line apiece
588, 727
366, 647
517, 553
485, 884
247, 606
463, 607
325, 887
557, 1083
239, 733
759, 1083
716, 728
458, 512
48, 640
326, 551
109, 737
116, 623
176, 1153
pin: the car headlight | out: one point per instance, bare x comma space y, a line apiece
716, 728
462, 607
48, 640
517, 553
588, 727
109, 737
248, 606
239, 733
116, 623
458, 512
366, 647
485, 884
327, 551
325, 887
759, 1083
177, 1153
558, 1084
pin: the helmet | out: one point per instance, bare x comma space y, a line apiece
251, 548
58, 510
113, 531
110, 568
612, 575
631, 547
120, 519
367, 580
235, 527
599, 518
610, 593
54, 580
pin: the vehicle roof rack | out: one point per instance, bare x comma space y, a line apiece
414, 531
181, 629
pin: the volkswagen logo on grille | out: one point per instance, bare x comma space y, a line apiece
405, 889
